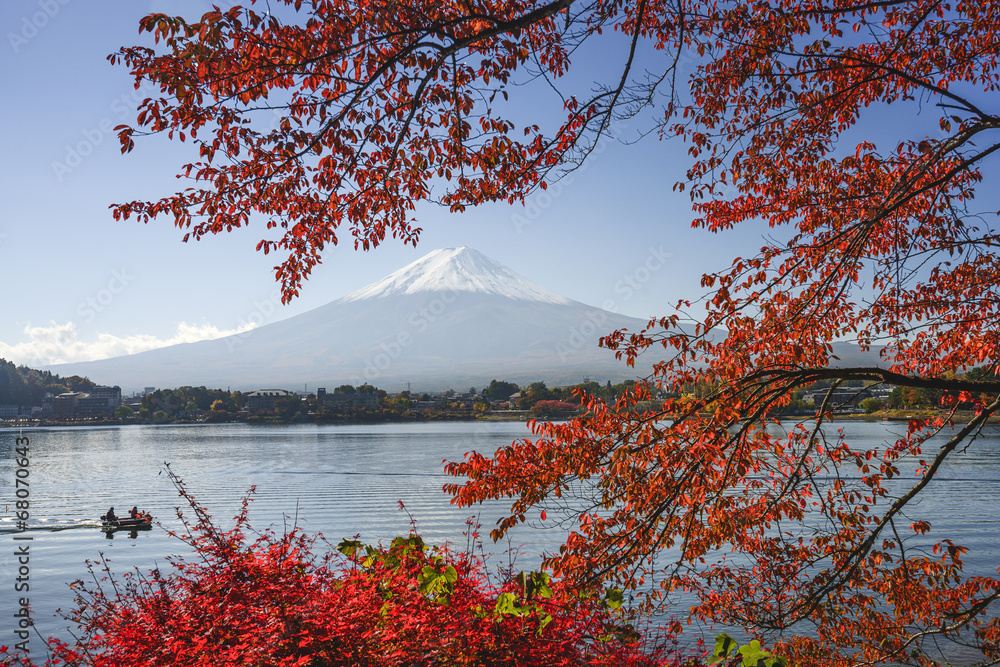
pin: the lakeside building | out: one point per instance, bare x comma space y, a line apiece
111, 395
842, 396
337, 401
66, 403
87, 404
263, 400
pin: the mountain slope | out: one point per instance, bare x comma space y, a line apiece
452, 319
457, 270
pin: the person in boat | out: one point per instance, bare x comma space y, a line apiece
134, 512
110, 516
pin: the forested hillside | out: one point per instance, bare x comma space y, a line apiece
20, 385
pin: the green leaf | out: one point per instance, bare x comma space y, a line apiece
543, 620
752, 653
505, 605
427, 574
755, 656
614, 598
349, 547
540, 585
437, 584
724, 646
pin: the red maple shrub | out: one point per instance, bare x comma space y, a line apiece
274, 600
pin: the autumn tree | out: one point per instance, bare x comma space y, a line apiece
878, 241
551, 409
123, 412
499, 390
77, 383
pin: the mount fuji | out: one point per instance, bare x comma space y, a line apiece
452, 319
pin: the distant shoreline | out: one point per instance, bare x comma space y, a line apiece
253, 420
887, 416
898, 415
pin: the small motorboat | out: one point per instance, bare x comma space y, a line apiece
141, 522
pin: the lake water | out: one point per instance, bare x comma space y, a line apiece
339, 481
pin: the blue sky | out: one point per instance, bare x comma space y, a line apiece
79, 285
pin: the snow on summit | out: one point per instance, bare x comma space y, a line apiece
457, 270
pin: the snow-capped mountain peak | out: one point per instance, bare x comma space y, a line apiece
460, 269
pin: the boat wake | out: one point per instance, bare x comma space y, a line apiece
9, 526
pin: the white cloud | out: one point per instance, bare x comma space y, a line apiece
59, 344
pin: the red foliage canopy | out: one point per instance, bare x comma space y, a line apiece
378, 101
275, 601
